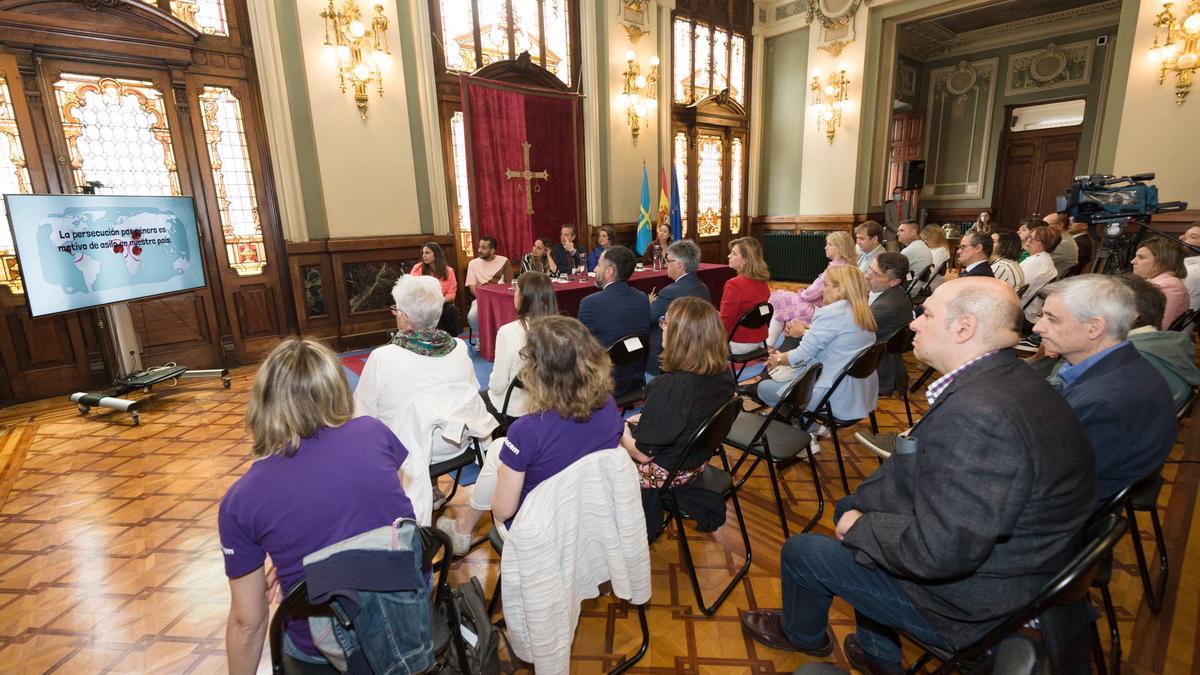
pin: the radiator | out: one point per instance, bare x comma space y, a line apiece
795, 257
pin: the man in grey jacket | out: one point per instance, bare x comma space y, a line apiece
984, 501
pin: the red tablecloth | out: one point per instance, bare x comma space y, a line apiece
496, 300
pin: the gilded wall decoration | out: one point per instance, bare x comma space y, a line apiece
1052, 67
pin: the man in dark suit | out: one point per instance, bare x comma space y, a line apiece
683, 259
616, 311
1123, 402
974, 250
892, 309
1078, 230
948, 538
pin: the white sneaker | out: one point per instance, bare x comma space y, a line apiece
820, 431
814, 446
460, 544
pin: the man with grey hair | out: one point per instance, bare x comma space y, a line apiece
1123, 402
982, 503
683, 259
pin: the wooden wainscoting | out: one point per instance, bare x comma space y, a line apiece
341, 288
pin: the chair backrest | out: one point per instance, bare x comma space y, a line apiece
922, 278
900, 341
709, 437
795, 395
1022, 289
1067, 272
1184, 320
1185, 408
629, 350
864, 364
755, 317
515, 384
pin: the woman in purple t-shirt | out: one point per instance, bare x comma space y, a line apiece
568, 382
318, 477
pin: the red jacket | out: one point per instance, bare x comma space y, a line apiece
739, 296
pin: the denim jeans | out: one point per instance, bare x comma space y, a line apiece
814, 568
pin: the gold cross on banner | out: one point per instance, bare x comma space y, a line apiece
528, 177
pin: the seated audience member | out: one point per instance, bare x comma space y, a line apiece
539, 259
1160, 261
917, 251
1191, 264
422, 386
800, 305
694, 384
617, 311
1024, 229
319, 477
1006, 248
657, 250
1038, 268
1066, 254
571, 414
1123, 402
984, 223
534, 298
1079, 232
939, 246
485, 268
947, 539
605, 236
683, 259
433, 264
567, 256
1170, 352
747, 289
868, 240
891, 308
974, 250
839, 331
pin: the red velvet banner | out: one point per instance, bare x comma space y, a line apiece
523, 169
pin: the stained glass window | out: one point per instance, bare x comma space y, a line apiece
683, 63
117, 134
14, 178
735, 187
540, 27
708, 185
206, 16
458, 138
702, 67
233, 178
737, 68
719, 62
681, 170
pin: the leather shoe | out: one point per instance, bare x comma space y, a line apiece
766, 626
860, 660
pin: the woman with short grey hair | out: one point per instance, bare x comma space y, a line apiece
422, 385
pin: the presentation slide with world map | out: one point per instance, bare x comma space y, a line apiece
78, 251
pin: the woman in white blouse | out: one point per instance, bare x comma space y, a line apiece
534, 298
1038, 268
1006, 248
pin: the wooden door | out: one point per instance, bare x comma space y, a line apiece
1035, 167
906, 143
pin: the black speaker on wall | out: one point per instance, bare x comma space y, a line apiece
914, 174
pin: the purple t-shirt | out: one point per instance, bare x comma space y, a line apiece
542, 444
341, 482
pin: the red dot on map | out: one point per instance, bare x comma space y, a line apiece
137, 250
118, 248
136, 234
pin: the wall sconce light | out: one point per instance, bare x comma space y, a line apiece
362, 51
640, 93
829, 100
1177, 46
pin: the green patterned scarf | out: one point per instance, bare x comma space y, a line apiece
426, 341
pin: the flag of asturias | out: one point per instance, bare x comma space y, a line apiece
645, 232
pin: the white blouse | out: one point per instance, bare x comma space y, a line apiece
510, 339
1038, 270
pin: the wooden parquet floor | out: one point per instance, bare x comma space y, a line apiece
109, 559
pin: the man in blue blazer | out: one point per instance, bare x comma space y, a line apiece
616, 311
1123, 402
683, 259
973, 253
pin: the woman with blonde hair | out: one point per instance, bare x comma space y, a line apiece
1160, 261
841, 328
747, 289
568, 382
939, 246
319, 477
695, 382
799, 306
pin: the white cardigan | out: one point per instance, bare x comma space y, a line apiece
431, 403
572, 533
1038, 270
510, 339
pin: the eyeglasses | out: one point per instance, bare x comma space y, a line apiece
662, 321
395, 310
669, 260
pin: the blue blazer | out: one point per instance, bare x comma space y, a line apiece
1126, 409
593, 258
688, 285
833, 340
611, 314
983, 269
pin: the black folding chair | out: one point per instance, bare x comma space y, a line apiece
1185, 408
455, 465
919, 282
771, 438
1184, 320
864, 365
898, 344
1143, 498
296, 606
1067, 272
506, 420
1067, 587
1113, 506
706, 442
922, 290
755, 317
631, 350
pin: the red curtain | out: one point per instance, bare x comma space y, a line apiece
499, 119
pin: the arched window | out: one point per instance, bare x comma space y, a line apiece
470, 34
710, 124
